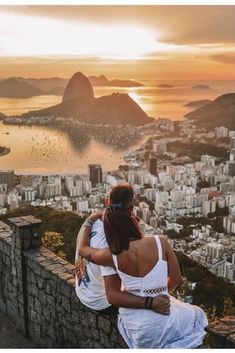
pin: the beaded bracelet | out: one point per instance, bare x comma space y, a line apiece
148, 304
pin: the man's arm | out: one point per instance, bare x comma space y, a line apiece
116, 297
97, 256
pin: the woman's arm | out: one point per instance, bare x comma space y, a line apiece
97, 256
174, 274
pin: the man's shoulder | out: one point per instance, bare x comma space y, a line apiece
97, 236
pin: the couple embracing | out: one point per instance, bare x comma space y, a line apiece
117, 266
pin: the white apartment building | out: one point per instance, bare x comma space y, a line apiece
75, 191
221, 132
208, 206
54, 179
229, 222
208, 160
82, 204
53, 190
29, 194
162, 196
214, 250
69, 183
217, 267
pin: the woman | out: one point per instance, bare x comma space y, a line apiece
147, 266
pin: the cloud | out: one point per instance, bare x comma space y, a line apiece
178, 24
224, 58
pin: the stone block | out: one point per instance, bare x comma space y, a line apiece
218, 332
33, 315
114, 335
53, 312
42, 296
92, 319
34, 291
104, 325
66, 290
46, 313
95, 334
75, 317
50, 300
37, 331
84, 323
66, 304
7, 261
37, 306
37, 269
230, 342
228, 320
41, 283
48, 288
218, 327
105, 340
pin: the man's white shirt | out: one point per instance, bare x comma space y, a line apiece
90, 288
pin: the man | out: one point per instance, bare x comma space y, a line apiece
91, 279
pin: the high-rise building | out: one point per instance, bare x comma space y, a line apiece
231, 168
95, 174
152, 166
7, 177
29, 194
231, 163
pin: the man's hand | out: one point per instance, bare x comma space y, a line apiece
161, 304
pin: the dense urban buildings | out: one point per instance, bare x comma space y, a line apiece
191, 200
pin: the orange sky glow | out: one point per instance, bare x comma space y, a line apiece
128, 42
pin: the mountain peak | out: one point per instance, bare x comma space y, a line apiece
78, 87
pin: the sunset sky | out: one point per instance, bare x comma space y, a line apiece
128, 42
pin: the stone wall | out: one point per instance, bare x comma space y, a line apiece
37, 293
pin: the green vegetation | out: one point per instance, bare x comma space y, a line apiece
194, 150
203, 184
215, 220
66, 223
210, 291
55, 242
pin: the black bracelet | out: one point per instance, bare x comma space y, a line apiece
148, 304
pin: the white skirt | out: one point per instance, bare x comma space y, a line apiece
183, 328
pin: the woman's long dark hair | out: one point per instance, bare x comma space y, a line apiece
120, 225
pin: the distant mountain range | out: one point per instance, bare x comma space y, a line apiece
79, 101
220, 112
19, 87
198, 104
165, 85
12, 88
103, 81
201, 87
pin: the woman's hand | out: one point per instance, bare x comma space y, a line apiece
94, 216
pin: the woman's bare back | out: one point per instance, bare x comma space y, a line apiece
140, 258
